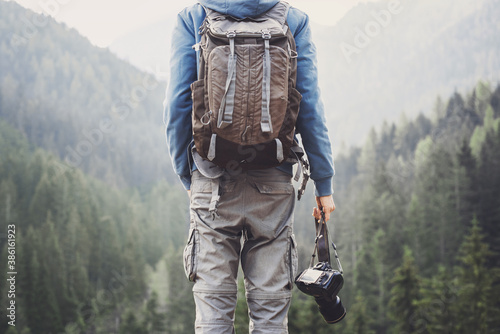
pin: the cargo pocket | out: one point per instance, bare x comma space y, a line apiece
190, 254
276, 204
293, 260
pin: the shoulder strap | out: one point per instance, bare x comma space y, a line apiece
279, 12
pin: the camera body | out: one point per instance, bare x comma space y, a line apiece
323, 283
320, 281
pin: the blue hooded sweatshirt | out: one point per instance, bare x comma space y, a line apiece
311, 123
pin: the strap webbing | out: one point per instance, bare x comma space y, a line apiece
265, 122
227, 104
279, 150
321, 244
322, 240
211, 149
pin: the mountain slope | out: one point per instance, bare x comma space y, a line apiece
93, 110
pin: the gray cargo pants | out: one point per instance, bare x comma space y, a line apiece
258, 206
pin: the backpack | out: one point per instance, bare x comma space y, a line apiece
245, 104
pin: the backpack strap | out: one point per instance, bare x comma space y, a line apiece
278, 13
265, 122
227, 104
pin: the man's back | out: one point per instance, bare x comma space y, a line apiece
244, 217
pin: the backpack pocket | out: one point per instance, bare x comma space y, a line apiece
242, 100
201, 117
287, 130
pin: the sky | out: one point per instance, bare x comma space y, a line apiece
103, 21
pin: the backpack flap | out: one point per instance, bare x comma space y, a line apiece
273, 21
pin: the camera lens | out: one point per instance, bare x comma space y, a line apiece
332, 310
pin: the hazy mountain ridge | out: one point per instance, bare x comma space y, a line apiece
148, 54
416, 56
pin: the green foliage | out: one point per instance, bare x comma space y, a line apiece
404, 295
359, 322
478, 138
131, 325
488, 193
477, 303
304, 316
82, 253
439, 295
241, 322
153, 319
180, 309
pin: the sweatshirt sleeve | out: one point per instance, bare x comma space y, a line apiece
178, 103
311, 122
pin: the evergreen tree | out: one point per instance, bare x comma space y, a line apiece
131, 325
467, 184
434, 206
180, 308
153, 319
304, 316
404, 295
477, 309
488, 177
44, 319
439, 295
11, 330
358, 321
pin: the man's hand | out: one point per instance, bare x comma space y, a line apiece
325, 204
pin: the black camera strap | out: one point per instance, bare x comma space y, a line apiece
321, 245
321, 241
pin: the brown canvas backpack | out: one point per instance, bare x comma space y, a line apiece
245, 104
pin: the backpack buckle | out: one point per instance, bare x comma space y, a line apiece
266, 34
231, 34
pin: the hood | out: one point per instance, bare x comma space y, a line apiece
240, 8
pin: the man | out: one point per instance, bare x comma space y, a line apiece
256, 205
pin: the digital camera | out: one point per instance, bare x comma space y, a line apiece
323, 283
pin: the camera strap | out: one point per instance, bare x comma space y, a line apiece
321, 245
321, 240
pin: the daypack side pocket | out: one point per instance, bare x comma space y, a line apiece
201, 118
